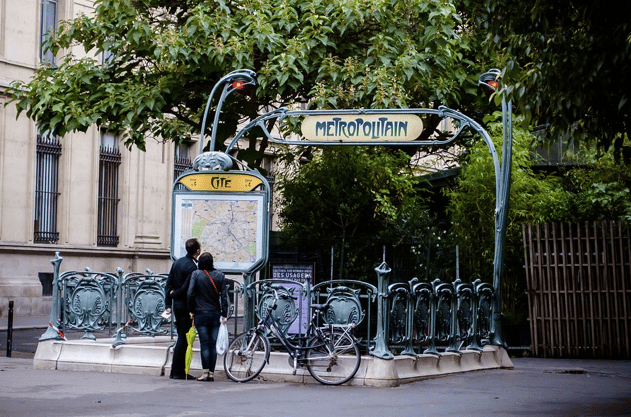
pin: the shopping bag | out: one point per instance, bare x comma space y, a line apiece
190, 339
222, 339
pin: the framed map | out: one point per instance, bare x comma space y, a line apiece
229, 226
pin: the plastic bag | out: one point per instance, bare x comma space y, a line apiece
222, 339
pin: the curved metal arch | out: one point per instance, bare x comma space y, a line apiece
502, 172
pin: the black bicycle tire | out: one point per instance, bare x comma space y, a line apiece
350, 345
235, 346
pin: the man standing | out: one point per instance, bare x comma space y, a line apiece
176, 287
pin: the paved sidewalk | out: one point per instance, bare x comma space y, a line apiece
536, 387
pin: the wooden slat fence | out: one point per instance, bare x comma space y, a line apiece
578, 282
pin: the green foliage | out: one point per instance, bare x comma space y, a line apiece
357, 194
166, 57
598, 190
566, 64
533, 198
351, 191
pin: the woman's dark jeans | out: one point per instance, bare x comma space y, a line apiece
207, 325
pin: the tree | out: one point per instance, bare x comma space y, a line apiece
166, 55
535, 198
362, 195
566, 64
597, 190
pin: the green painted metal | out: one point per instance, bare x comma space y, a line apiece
52, 332
246, 76
142, 296
448, 313
381, 349
502, 170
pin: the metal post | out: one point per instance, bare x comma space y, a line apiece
457, 263
248, 302
10, 330
332, 252
243, 75
381, 349
489, 81
54, 320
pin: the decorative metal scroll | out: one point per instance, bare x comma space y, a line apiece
343, 306
143, 298
439, 314
88, 298
345, 299
444, 293
485, 296
465, 308
399, 307
286, 311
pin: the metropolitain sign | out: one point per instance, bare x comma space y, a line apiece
362, 128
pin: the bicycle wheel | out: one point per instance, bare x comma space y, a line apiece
333, 360
246, 356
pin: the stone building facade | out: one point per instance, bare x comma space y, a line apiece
85, 196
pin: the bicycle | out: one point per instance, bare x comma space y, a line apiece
329, 352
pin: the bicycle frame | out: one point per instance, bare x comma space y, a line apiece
296, 352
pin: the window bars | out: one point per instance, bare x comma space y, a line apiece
46, 189
181, 161
109, 161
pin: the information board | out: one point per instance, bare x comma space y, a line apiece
229, 226
301, 273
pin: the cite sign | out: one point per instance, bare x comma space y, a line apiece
362, 127
221, 182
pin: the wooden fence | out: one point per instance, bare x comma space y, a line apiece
579, 289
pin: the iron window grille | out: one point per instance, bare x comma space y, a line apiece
109, 161
46, 189
181, 161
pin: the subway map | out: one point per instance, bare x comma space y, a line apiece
229, 228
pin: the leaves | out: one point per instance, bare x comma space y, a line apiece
351, 191
165, 60
567, 61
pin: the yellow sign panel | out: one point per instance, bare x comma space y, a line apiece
362, 127
221, 182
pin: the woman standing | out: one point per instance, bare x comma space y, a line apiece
208, 303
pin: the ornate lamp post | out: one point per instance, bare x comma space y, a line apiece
236, 80
489, 81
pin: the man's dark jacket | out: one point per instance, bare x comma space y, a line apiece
178, 280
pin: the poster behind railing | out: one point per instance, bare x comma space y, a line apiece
301, 273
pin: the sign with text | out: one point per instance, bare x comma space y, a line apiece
302, 273
362, 128
221, 182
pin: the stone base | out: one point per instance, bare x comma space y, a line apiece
152, 356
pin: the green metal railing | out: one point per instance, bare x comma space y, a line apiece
406, 318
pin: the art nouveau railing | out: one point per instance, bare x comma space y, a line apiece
120, 304
407, 318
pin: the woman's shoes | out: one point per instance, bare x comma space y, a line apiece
206, 376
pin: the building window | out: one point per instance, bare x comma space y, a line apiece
109, 161
181, 161
107, 58
50, 9
46, 191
